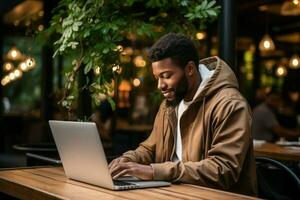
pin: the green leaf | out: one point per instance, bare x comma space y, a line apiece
67, 22
88, 67
211, 12
189, 15
198, 8
112, 103
64, 103
87, 79
203, 4
210, 4
114, 27
130, 2
105, 30
86, 33
105, 51
184, 2
204, 14
70, 97
55, 53
76, 25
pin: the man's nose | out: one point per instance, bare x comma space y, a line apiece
160, 84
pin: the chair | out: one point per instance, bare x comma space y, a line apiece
34, 159
275, 180
39, 153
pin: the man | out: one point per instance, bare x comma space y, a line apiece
265, 124
201, 134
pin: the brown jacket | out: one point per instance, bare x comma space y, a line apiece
217, 148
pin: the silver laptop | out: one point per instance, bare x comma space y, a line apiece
83, 159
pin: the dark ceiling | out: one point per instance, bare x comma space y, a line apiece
254, 16
6, 5
254, 19
258, 17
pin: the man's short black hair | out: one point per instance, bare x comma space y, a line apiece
176, 46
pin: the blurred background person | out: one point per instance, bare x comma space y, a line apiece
265, 124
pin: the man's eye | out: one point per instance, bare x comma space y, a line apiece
166, 75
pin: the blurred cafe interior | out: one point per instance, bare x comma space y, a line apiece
260, 38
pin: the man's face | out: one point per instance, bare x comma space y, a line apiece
172, 81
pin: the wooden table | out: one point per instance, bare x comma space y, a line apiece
275, 151
51, 183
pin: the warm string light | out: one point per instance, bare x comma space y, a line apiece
139, 61
13, 57
117, 69
296, 2
30, 63
18, 73
201, 35
127, 55
281, 71
14, 54
8, 66
97, 70
31, 20
40, 27
136, 82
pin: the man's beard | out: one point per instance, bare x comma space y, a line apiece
180, 92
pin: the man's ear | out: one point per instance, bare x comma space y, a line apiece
190, 68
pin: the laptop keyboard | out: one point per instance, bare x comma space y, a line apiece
122, 183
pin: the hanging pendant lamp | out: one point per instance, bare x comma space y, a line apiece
294, 62
266, 44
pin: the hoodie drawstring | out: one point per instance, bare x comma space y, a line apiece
203, 156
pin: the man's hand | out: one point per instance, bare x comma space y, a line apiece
120, 167
115, 162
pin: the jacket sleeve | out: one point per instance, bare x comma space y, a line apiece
221, 168
145, 153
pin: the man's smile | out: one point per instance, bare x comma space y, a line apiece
168, 94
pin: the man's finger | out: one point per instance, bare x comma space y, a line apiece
114, 167
114, 162
121, 166
121, 173
118, 167
111, 163
117, 160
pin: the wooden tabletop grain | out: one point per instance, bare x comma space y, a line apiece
275, 151
51, 183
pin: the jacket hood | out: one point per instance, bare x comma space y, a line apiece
223, 77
